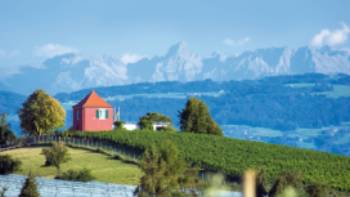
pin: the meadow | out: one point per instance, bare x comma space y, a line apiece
103, 167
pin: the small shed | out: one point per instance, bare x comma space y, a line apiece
93, 114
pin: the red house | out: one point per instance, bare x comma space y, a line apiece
93, 114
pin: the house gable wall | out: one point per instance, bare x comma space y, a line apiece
91, 123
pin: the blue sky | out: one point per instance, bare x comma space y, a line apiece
150, 27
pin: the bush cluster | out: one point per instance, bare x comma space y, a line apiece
83, 175
8, 164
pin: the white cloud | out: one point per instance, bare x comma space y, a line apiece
238, 42
51, 49
128, 58
331, 37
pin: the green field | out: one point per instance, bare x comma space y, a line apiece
103, 167
233, 157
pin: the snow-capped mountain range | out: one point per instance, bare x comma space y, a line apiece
72, 71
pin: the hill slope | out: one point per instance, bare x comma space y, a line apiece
233, 157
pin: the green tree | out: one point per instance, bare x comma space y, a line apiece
6, 135
119, 124
195, 118
29, 188
147, 121
41, 114
56, 155
166, 173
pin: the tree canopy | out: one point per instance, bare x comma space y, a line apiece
147, 121
195, 118
6, 134
41, 114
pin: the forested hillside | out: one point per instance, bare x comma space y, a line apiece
310, 111
283, 102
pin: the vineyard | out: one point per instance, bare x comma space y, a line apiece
232, 157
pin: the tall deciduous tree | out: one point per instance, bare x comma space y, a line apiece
6, 134
41, 114
195, 118
29, 188
166, 173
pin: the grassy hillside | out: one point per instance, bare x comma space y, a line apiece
234, 156
104, 168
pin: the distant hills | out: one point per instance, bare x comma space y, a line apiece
281, 102
71, 72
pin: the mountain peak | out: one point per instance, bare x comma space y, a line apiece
178, 48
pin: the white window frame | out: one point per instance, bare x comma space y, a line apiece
102, 112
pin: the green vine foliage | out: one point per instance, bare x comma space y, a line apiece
232, 157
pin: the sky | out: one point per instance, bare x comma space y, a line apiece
31, 31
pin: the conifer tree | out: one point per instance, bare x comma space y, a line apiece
29, 188
195, 118
6, 135
166, 172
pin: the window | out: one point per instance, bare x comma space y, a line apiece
102, 114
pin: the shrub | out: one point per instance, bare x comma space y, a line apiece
315, 190
56, 155
146, 122
83, 175
8, 164
119, 124
285, 180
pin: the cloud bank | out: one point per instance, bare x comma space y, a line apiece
327, 37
